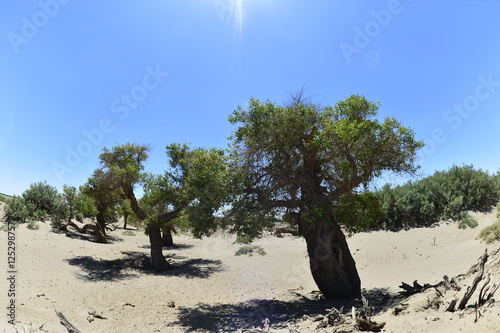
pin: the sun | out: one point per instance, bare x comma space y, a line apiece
231, 13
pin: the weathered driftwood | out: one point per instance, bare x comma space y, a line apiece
415, 289
483, 297
67, 324
97, 231
369, 325
477, 279
451, 307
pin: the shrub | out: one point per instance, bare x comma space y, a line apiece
444, 195
465, 220
3, 198
128, 233
42, 200
32, 225
491, 233
249, 249
243, 240
17, 210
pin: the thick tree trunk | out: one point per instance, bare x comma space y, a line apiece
167, 236
101, 222
158, 260
332, 265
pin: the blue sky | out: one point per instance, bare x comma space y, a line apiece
76, 76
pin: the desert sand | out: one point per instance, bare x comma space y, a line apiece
212, 290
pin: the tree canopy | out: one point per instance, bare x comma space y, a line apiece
311, 162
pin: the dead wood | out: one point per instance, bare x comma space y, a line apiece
97, 231
67, 324
477, 279
368, 325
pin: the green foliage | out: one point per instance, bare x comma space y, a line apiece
3, 198
243, 240
5, 226
465, 220
444, 195
358, 212
84, 205
250, 249
17, 210
313, 160
41, 200
491, 233
128, 233
32, 225
194, 187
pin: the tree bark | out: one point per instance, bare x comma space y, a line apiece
332, 265
167, 236
101, 222
125, 218
158, 260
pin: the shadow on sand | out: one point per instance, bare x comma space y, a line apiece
137, 264
88, 237
250, 314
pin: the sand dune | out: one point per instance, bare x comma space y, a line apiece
213, 290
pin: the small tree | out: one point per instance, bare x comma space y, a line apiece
195, 185
41, 200
70, 197
125, 210
101, 188
313, 161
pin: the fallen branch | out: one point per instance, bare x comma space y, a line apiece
97, 231
67, 324
477, 279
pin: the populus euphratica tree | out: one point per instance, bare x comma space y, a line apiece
194, 186
312, 162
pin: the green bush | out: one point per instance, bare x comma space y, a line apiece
465, 220
32, 225
243, 240
491, 233
128, 233
41, 199
250, 249
444, 195
3, 198
17, 210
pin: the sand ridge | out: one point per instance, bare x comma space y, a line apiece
211, 289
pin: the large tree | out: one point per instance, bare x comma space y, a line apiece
312, 163
194, 185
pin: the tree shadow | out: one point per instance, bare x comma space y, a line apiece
174, 247
250, 314
99, 269
197, 268
89, 236
134, 264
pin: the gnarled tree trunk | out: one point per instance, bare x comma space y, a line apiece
158, 260
332, 265
101, 222
168, 240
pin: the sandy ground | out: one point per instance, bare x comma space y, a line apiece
212, 290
